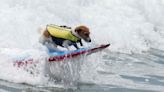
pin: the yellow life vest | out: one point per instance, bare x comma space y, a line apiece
61, 32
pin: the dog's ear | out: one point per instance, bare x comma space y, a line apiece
81, 28
78, 30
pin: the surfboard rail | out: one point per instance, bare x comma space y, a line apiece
73, 54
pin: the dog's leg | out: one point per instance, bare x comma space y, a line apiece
75, 45
68, 48
51, 47
42, 40
66, 44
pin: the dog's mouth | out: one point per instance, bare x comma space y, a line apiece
87, 39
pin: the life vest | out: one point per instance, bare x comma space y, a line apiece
61, 32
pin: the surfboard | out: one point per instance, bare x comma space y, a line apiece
58, 56
62, 55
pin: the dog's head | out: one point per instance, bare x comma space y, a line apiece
83, 32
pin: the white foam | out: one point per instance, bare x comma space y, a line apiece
127, 25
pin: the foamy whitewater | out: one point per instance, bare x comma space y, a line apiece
134, 28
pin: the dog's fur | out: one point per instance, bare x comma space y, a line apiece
81, 32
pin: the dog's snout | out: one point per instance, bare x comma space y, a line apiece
88, 39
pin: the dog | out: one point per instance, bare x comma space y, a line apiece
64, 36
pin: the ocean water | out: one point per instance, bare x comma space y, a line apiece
133, 63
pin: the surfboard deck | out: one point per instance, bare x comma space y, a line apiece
62, 55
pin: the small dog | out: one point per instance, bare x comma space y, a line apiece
53, 36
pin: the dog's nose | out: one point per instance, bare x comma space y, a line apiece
90, 40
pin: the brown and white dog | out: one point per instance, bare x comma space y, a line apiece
81, 32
